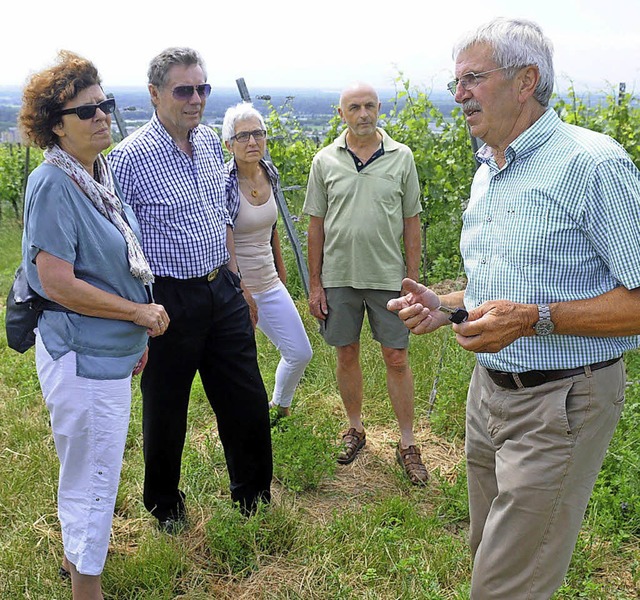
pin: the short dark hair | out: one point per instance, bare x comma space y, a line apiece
161, 64
48, 91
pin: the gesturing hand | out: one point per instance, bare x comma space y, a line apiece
494, 325
418, 308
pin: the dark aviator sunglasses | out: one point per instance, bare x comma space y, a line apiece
88, 111
184, 92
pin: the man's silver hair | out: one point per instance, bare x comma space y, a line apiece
516, 43
160, 65
240, 112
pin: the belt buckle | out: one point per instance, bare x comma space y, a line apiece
211, 276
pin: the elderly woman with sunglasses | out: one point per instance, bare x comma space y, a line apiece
81, 250
251, 189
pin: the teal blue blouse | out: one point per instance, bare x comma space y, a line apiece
61, 220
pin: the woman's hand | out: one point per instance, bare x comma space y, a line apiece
253, 307
152, 316
141, 364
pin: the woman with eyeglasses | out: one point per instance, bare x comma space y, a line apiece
251, 189
81, 250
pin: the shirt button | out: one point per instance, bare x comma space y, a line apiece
484, 261
489, 219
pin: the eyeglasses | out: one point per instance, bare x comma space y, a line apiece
469, 80
243, 136
88, 111
184, 92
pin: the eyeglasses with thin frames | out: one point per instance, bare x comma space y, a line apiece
88, 111
243, 136
184, 92
469, 80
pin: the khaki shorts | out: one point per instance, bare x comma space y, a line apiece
346, 313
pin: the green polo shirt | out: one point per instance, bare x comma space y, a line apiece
363, 213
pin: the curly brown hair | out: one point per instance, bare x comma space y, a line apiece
47, 92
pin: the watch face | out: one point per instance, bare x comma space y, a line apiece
544, 327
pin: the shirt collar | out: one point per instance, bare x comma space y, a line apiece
161, 131
388, 143
528, 141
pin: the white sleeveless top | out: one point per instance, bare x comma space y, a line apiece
252, 238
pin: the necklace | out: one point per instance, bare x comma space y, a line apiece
254, 191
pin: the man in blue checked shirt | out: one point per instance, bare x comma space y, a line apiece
551, 248
172, 174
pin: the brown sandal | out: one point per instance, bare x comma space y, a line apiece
409, 459
352, 440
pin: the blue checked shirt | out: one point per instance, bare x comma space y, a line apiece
180, 202
559, 222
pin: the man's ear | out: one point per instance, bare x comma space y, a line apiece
153, 92
528, 78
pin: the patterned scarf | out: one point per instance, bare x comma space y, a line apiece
103, 197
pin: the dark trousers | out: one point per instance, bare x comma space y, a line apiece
211, 333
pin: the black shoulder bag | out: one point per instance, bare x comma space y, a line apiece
23, 308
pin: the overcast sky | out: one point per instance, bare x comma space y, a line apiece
324, 44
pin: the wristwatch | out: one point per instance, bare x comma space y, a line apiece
545, 325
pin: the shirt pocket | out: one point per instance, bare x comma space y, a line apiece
523, 233
387, 192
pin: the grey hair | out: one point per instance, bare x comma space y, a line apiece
516, 43
161, 64
240, 112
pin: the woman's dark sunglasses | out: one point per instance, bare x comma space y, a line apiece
184, 92
88, 111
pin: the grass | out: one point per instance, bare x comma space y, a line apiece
359, 531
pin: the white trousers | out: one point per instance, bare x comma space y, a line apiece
89, 419
279, 320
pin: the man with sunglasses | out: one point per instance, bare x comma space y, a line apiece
551, 248
172, 174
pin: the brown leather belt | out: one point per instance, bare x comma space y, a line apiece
515, 381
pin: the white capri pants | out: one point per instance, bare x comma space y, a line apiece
89, 419
279, 320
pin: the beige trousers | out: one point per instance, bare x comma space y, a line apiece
533, 456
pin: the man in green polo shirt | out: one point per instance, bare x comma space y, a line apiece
363, 198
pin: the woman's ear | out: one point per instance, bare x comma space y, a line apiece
58, 129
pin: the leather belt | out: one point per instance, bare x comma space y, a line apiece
203, 279
515, 381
